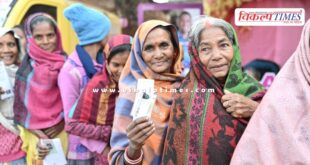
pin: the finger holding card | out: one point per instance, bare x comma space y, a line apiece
6, 90
142, 127
42, 151
138, 132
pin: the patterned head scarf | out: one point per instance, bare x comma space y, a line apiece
135, 69
59, 48
200, 131
37, 77
237, 81
115, 42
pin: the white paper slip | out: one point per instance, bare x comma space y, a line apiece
143, 105
145, 99
5, 83
56, 156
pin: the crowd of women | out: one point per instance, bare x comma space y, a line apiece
54, 96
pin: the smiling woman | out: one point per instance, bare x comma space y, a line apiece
10, 142
37, 77
153, 56
158, 52
9, 48
217, 118
43, 32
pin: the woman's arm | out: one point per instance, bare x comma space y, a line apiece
89, 131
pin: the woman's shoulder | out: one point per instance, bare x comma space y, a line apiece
72, 62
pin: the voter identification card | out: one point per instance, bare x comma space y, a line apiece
144, 100
5, 83
56, 155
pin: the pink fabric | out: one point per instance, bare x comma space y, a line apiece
276, 43
10, 146
44, 110
37, 102
94, 145
101, 160
72, 80
86, 130
279, 131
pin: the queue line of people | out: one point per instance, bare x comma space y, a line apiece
54, 96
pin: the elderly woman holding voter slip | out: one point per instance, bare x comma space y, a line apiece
204, 127
140, 120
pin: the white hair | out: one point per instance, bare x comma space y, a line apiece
200, 24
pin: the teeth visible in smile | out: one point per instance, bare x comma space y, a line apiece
7, 57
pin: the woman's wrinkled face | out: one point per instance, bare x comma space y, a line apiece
8, 49
215, 52
158, 51
117, 63
45, 37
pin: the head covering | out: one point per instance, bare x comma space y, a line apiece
97, 108
278, 132
37, 78
135, 69
91, 26
6, 106
4, 31
116, 41
30, 39
200, 131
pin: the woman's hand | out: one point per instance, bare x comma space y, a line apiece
52, 132
238, 105
42, 151
137, 132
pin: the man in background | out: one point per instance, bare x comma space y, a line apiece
184, 24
